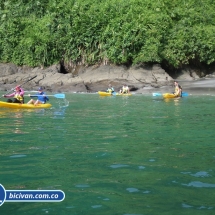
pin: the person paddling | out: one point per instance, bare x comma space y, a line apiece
125, 89
110, 89
41, 97
18, 95
178, 89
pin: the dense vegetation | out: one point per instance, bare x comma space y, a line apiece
45, 32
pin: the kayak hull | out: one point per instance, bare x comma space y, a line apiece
159, 94
102, 93
23, 106
123, 94
169, 95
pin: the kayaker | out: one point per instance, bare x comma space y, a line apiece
125, 89
178, 89
110, 89
18, 95
41, 97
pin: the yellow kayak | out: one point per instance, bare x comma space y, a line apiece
26, 106
102, 93
169, 95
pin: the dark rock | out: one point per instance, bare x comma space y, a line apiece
141, 78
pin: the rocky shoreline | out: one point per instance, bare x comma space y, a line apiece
142, 79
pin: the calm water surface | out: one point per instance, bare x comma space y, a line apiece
118, 155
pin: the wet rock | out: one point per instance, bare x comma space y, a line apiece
140, 78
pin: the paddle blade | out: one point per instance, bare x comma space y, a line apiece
156, 94
184, 94
59, 96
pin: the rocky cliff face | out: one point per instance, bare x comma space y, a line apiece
87, 79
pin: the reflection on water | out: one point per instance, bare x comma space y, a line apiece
59, 113
17, 156
186, 205
15, 119
3, 113
62, 103
117, 155
118, 166
96, 206
201, 174
141, 167
18, 122
197, 207
131, 190
82, 185
199, 184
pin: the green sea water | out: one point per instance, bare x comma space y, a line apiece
117, 155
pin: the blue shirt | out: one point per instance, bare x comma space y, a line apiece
41, 97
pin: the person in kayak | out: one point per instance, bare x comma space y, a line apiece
18, 96
178, 89
125, 89
110, 89
41, 97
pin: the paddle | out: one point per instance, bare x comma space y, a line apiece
160, 94
156, 94
59, 96
20, 85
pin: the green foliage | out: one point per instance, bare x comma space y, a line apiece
192, 33
87, 32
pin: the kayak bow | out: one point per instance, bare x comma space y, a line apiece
169, 95
101, 93
25, 106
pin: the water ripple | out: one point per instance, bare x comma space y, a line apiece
147, 191
141, 167
201, 174
118, 166
132, 190
96, 206
198, 184
186, 206
82, 185
198, 208
17, 156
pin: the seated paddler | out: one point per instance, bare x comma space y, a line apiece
18, 96
41, 97
110, 89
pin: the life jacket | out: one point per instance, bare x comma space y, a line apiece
177, 91
179, 86
19, 97
110, 90
125, 89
